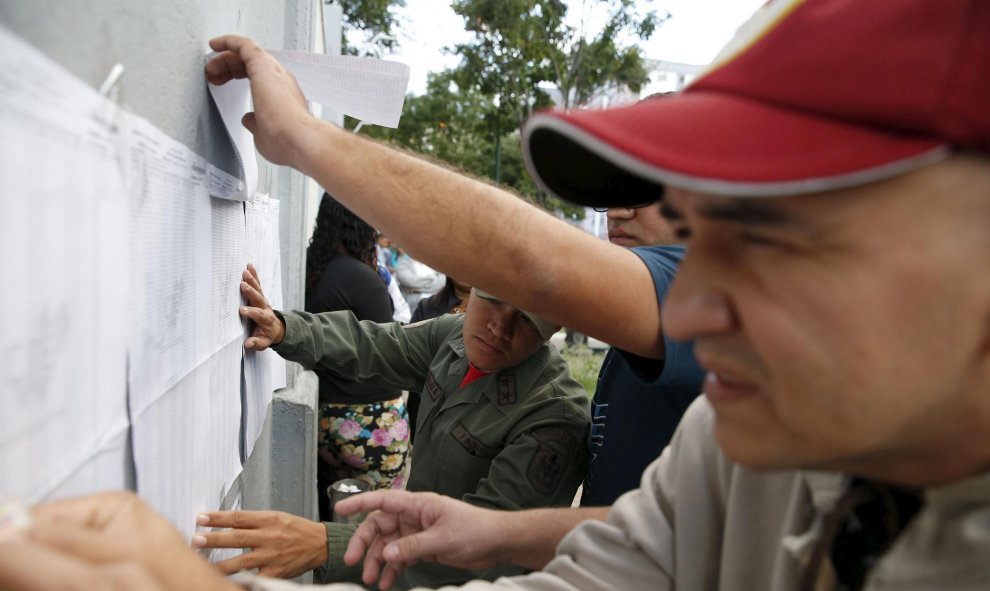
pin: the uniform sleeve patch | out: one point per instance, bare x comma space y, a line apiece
550, 458
432, 388
506, 390
472, 444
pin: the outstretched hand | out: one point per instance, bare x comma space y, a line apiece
104, 541
280, 119
406, 528
281, 545
268, 328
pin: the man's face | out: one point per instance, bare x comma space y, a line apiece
496, 335
845, 330
641, 226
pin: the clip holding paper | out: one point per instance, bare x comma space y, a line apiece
109, 86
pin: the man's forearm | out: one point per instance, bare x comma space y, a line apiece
489, 238
530, 538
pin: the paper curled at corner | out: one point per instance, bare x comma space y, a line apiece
368, 89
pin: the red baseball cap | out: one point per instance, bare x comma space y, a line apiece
810, 95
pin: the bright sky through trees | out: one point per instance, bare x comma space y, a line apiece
694, 34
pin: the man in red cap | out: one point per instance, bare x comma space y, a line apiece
830, 176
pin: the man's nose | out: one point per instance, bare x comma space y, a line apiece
503, 322
695, 307
620, 213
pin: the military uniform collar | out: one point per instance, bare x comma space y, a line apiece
505, 388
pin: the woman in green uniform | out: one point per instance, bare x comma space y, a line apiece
502, 423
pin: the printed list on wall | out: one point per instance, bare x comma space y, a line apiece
121, 261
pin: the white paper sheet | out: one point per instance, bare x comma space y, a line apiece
223, 425
264, 371
122, 275
229, 260
63, 244
170, 451
276, 365
220, 554
171, 262
371, 90
233, 100
185, 449
223, 185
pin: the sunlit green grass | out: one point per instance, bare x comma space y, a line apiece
584, 364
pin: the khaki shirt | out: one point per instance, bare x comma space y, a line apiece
512, 439
701, 522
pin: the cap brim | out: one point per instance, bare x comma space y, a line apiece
709, 142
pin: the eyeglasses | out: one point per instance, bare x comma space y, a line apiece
637, 206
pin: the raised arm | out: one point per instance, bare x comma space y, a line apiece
530, 259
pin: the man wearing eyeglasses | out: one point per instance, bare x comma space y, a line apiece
638, 402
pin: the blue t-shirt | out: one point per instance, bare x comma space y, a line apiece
638, 402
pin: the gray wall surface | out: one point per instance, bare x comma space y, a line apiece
162, 45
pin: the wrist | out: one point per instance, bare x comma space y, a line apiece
319, 544
509, 535
280, 328
308, 146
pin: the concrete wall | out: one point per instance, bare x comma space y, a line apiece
162, 46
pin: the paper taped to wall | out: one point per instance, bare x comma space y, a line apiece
368, 89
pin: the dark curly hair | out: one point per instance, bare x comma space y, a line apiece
338, 229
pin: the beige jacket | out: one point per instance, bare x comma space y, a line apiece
701, 522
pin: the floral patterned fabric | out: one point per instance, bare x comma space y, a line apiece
366, 441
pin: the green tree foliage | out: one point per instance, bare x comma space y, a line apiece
595, 61
470, 116
520, 44
458, 127
375, 21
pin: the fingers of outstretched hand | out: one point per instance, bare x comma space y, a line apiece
391, 574
260, 316
236, 564
233, 53
373, 562
92, 545
389, 501
237, 519
370, 531
250, 123
233, 538
224, 67
267, 561
255, 300
95, 511
250, 277
253, 272
377, 569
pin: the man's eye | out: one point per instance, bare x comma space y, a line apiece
682, 233
757, 239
